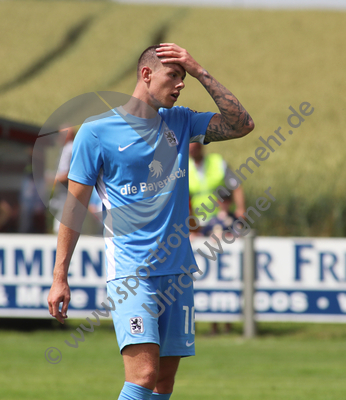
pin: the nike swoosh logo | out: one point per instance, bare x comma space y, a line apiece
124, 148
189, 344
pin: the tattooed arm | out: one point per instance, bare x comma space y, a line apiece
233, 121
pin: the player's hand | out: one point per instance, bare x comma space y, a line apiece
59, 293
172, 53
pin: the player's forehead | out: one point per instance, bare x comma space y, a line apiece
175, 68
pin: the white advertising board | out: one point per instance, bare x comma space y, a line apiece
297, 279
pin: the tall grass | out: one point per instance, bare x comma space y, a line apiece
270, 59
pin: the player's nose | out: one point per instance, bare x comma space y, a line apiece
180, 85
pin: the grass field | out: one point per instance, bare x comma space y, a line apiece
271, 60
286, 361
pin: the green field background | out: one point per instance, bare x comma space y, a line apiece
52, 51
286, 361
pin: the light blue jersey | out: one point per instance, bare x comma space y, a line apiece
140, 170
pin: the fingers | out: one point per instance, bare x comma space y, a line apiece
53, 307
171, 45
50, 306
54, 303
172, 51
54, 311
64, 308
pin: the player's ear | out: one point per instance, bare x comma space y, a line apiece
146, 74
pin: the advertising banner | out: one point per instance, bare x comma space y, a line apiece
297, 279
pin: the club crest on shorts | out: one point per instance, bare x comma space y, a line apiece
171, 138
136, 325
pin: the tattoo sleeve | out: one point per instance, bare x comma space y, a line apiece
233, 121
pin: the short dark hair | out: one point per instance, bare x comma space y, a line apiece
148, 58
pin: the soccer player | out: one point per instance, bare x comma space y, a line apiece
137, 157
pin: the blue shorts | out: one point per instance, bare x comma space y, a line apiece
157, 310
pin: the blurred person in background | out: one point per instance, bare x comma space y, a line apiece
206, 173
58, 199
32, 217
8, 216
223, 219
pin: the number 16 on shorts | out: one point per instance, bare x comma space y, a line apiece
189, 320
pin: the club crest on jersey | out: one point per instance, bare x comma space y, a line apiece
136, 325
171, 138
155, 168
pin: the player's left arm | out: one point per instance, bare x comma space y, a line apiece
233, 121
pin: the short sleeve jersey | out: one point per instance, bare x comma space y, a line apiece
140, 170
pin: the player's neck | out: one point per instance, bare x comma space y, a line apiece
140, 105
139, 108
